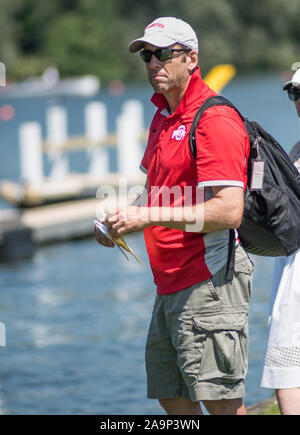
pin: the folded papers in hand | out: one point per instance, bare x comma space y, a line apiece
120, 242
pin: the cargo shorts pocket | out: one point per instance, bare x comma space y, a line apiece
225, 350
243, 264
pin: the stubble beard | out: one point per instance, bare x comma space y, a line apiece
161, 88
167, 86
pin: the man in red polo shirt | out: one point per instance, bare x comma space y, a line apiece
198, 337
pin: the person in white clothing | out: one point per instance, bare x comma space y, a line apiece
282, 360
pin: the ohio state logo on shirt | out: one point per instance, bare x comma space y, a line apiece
179, 133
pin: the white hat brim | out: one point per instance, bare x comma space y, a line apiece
295, 81
156, 40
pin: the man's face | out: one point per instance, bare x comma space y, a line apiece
173, 74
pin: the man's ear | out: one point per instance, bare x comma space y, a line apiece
192, 58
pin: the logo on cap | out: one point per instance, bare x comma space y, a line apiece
161, 26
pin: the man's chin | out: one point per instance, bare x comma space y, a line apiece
158, 87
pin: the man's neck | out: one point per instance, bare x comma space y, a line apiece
175, 96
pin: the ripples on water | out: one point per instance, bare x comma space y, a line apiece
76, 318
76, 321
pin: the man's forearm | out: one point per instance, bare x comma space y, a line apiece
223, 211
211, 216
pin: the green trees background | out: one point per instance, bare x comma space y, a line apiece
91, 36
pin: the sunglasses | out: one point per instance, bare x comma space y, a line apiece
293, 93
162, 54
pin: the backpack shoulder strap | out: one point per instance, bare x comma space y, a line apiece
210, 102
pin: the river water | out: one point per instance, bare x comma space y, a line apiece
77, 314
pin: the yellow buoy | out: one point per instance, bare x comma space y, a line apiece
218, 77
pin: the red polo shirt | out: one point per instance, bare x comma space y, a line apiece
178, 258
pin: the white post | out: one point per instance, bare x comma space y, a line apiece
31, 156
129, 129
96, 129
57, 135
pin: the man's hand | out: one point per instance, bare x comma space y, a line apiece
127, 220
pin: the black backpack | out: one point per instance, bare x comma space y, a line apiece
271, 220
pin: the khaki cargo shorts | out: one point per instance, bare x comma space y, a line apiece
197, 344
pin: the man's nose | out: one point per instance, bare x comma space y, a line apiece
154, 62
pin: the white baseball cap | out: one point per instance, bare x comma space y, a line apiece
294, 82
166, 31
